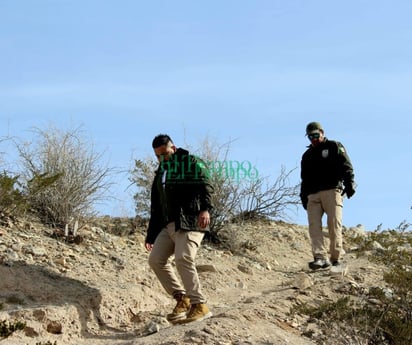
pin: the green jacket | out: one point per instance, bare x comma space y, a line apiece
180, 190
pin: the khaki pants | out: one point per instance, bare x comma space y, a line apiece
329, 202
184, 246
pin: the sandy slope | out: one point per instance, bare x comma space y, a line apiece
101, 291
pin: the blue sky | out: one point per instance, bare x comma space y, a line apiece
253, 71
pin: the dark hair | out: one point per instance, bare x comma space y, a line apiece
160, 140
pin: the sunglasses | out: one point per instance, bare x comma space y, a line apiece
162, 155
314, 136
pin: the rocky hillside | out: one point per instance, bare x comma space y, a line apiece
97, 288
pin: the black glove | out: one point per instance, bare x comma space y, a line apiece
349, 190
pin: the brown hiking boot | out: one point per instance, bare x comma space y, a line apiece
181, 309
198, 312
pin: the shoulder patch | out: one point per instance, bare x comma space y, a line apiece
341, 149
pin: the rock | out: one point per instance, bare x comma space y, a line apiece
377, 247
39, 315
60, 261
152, 327
30, 332
206, 268
339, 270
245, 269
54, 327
302, 281
35, 251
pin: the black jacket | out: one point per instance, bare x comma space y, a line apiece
180, 190
324, 167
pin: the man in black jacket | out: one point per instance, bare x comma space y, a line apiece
180, 205
327, 175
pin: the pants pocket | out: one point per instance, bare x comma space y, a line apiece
339, 198
195, 236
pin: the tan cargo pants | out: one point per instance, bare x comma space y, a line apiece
329, 202
184, 246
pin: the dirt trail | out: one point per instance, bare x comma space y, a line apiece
102, 291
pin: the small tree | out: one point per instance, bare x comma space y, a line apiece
142, 176
81, 180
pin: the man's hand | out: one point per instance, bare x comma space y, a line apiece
203, 219
148, 246
348, 190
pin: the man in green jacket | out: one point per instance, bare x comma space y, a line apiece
327, 175
180, 206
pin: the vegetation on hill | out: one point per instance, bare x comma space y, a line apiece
379, 315
62, 177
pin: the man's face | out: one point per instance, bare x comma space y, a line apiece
316, 137
164, 152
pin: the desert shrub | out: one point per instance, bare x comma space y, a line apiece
395, 310
262, 198
241, 193
7, 328
388, 320
79, 178
345, 320
337, 310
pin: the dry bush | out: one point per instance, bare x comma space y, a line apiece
70, 160
388, 319
263, 199
241, 194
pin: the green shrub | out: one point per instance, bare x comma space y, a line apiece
7, 328
15, 195
12, 199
